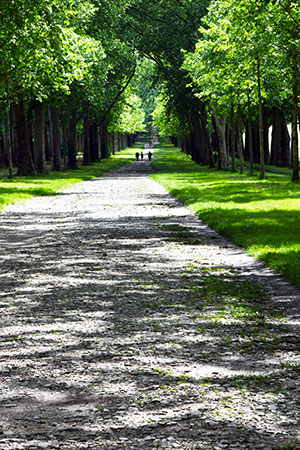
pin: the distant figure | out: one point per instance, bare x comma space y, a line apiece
142, 155
137, 156
149, 156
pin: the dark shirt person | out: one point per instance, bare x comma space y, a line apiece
137, 156
149, 156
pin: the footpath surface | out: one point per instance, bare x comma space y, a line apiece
125, 325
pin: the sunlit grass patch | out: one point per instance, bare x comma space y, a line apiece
22, 188
261, 215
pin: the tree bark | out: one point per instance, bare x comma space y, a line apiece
276, 135
261, 125
8, 146
202, 152
113, 149
48, 155
93, 134
39, 137
295, 152
24, 160
196, 147
86, 143
232, 139
55, 138
266, 125
280, 144
220, 125
64, 143
30, 128
71, 142
104, 149
285, 143
240, 145
7, 126
250, 139
207, 151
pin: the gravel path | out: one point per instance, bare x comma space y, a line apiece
126, 323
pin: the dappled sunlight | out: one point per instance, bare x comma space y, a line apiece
121, 321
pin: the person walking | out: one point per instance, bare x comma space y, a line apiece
149, 155
137, 156
142, 155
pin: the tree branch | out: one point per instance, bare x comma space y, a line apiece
287, 10
117, 96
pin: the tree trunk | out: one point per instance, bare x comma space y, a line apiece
266, 126
72, 147
285, 143
232, 139
207, 151
55, 138
197, 147
188, 145
208, 146
39, 137
240, 145
93, 134
250, 140
64, 144
104, 149
7, 125
86, 143
255, 140
295, 152
47, 142
113, 149
261, 125
24, 160
124, 141
276, 135
8, 146
30, 128
220, 125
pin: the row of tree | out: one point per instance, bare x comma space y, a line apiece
243, 73
208, 72
64, 83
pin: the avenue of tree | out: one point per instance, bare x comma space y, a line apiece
85, 76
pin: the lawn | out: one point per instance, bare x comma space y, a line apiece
21, 188
263, 216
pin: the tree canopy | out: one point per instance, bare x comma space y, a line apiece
201, 69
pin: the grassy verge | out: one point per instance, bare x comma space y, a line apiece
22, 188
263, 216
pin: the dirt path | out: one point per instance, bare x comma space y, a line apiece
127, 324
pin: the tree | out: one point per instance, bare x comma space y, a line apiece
43, 49
238, 60
159, 30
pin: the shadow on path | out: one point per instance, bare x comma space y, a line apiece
127, 323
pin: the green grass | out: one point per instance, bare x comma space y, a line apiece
263, 216
21, 188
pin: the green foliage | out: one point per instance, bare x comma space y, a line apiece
66, 53
167, 120
130, 116
235, 37
43, 45
160, 30
146, 86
